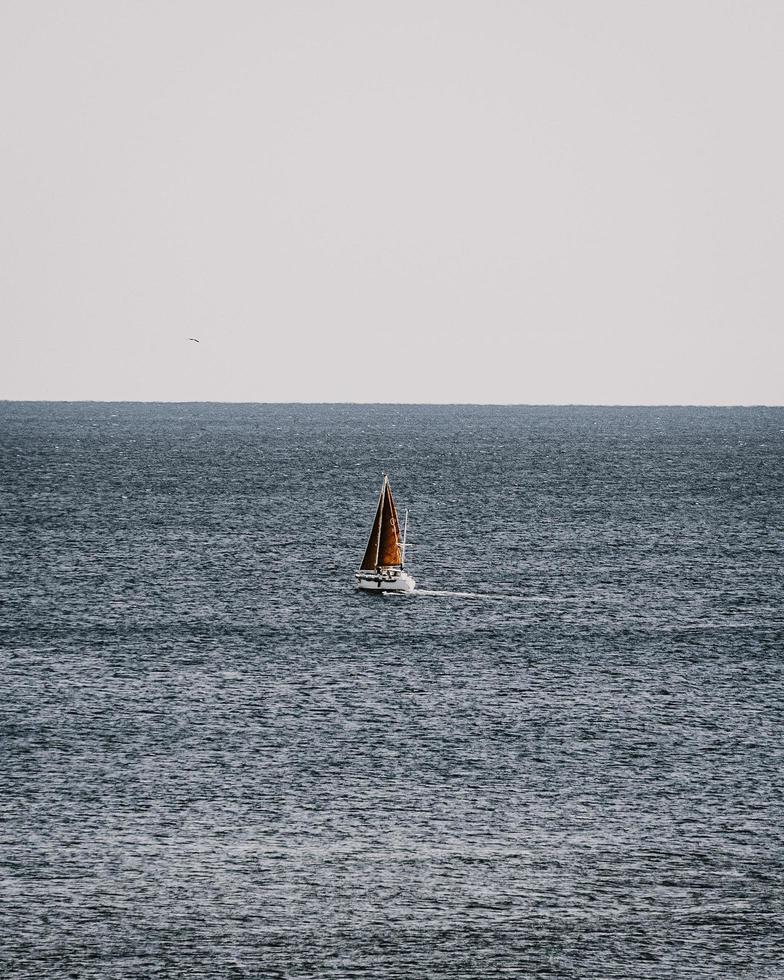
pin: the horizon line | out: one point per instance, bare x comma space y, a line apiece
413, 404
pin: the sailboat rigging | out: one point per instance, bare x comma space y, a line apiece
382, 567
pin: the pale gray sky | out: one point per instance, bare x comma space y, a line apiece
490, 201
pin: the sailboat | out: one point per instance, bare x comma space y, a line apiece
382, 567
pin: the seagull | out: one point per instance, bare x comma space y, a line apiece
194, 339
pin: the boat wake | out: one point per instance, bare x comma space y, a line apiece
498, 596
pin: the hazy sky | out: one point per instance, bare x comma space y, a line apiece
513, 201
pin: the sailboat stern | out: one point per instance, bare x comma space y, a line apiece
385, 580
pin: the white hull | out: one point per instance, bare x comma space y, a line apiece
387, 581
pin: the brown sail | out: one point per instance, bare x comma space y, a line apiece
389, 553
383, 547
371, 552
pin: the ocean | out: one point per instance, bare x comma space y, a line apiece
218, 760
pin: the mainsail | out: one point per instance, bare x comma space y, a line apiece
383, 547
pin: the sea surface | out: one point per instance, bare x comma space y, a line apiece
218, 760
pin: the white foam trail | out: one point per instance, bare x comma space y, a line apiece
461, 595
502, 596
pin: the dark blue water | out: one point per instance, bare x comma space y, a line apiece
217, 760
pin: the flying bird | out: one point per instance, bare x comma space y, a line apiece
194, 339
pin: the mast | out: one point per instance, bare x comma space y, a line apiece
403, 547
381, 503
